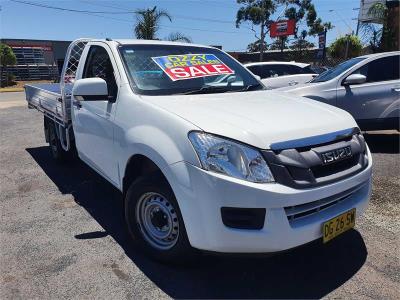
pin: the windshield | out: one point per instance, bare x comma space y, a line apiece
175, 69
339, 69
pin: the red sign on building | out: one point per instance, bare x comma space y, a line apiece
282, 28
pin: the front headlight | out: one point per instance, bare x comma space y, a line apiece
230, 158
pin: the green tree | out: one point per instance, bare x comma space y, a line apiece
304, 9
301, 43
148, 24
7, 58
345, 47
300, 9
315, 24
279, 43
256, 46
257, 13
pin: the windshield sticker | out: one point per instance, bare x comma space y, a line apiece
189, 66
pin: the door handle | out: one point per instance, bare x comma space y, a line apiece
396, 89
77, 104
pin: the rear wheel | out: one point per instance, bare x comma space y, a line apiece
154, 220
56, 149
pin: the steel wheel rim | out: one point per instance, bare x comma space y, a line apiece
157, 220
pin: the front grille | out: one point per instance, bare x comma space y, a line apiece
303, 210
340, 166
303, 167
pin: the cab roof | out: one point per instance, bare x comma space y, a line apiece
149, 42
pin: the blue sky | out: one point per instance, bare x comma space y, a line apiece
24, 21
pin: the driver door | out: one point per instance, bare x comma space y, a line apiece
94, 119
367, 102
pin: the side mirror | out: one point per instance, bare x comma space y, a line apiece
230, 80
90, 89
354, 79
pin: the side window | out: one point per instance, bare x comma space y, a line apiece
382, 69
282, 70
98, 64
255, 70
292, 70
265, 71
307, 70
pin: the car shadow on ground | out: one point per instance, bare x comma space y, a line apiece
311, 271
383, 143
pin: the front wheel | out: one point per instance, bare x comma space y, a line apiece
154, 219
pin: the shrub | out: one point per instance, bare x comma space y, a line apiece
338, 48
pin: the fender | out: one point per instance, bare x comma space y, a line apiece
146, 140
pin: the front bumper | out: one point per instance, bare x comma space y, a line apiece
202, 194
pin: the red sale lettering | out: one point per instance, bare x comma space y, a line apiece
180, 73
188, 66
196, 72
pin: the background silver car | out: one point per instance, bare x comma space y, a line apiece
368, 87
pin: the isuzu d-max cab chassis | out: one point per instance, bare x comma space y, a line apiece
223, 167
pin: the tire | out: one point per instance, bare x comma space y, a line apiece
155, 222
58, 153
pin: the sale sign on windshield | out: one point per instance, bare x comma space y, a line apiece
189, 66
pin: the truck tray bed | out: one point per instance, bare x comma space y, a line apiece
45, 97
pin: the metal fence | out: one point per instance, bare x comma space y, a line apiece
33, 72
306, 56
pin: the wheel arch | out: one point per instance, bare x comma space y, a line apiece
139, 165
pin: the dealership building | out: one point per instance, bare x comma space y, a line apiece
37, 59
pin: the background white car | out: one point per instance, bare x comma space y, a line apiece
276, 74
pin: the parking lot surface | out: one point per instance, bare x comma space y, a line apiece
62, 235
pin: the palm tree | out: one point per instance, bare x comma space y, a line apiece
148, 23
178, 37
383, 38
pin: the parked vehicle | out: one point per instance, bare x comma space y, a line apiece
318, 69
368, 87
225, 168
276, 74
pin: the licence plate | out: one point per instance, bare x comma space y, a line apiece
338, 225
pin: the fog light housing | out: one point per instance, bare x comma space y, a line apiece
243, 218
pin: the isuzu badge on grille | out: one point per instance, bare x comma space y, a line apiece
336, 155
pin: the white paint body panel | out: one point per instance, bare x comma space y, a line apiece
287, 80
256, 117
109, 134
283, 80
90, 86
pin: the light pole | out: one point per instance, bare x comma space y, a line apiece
347, 35
341, 18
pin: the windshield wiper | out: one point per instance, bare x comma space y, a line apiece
250, 87
209, 89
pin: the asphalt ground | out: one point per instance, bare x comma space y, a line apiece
62, 236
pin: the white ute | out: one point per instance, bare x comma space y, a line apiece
224, 168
